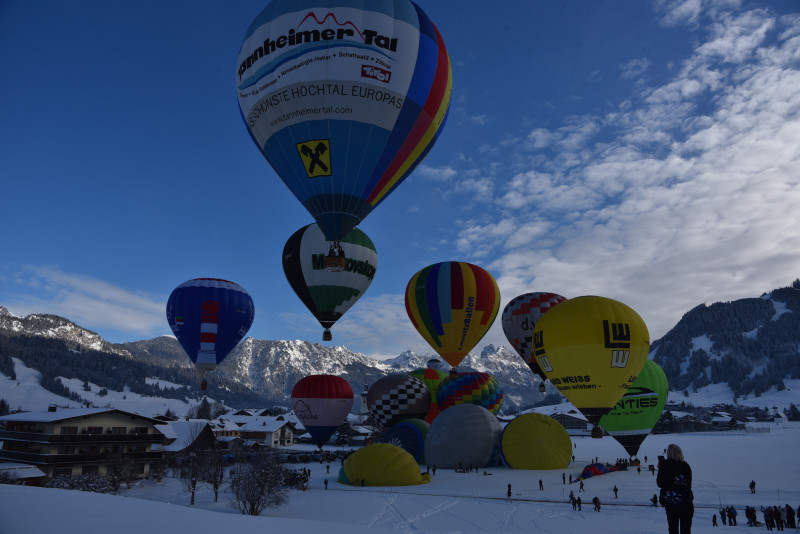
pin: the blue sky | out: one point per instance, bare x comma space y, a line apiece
643, 151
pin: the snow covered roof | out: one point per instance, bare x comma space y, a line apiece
179, 434
63, 414
263, 424
21, 470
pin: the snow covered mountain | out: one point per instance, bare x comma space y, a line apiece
726, 351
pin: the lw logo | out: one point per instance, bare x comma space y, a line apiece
316, 156
617, 336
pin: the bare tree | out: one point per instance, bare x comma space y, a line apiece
259, 484
214, 469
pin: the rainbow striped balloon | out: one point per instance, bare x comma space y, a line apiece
452, 305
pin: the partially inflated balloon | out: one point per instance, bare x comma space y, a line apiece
410, 436
328, 294
344, 99
464, 435
209, 317
519, 319
535, 441
591, 349
321, 403
638, 411
381, 464
452, 305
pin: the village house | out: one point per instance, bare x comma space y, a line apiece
70, 442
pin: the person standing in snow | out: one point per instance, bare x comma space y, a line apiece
675, 480
615, 491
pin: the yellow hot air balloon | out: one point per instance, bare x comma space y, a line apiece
592, 349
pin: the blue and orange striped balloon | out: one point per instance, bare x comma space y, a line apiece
344, 98
452, 305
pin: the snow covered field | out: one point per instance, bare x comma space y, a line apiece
723, 465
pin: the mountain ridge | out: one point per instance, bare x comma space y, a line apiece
750, 345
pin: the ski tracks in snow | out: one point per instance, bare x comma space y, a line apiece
389, 513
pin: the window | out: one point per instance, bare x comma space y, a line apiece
66, 449
89, 470
140, 430
94, 429
118, 430
69, 429
138, 469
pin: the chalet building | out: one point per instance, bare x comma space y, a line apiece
268, 431
74, 441
181, 437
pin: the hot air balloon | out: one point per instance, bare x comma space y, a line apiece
328, 294
452, 305
465, 435
321, 403
209, 317
535, 441
410, 436
592, 349
397, 397
344, 99
432, 376
470, 388
381, 464
639, 409
520, 317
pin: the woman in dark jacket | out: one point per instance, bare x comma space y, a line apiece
675, 480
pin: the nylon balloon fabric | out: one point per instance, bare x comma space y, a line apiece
209, 316
344, 99
452, 305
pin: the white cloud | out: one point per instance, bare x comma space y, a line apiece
692, 196
89, 302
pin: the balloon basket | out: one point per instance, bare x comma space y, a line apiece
326, 335
335, 264
597, 432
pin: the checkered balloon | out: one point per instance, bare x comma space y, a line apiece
397, 397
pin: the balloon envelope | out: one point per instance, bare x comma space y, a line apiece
344, 99
477, 388
519, 319
465, 435
209, 317
321, 403
432, 378
638, 411
381, 464
592, 349
397, 397
410, 436
328, 294
452, 305
535, 441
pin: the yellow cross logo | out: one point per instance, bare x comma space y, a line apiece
316, 156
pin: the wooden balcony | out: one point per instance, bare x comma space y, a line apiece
78, 459
94, 439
